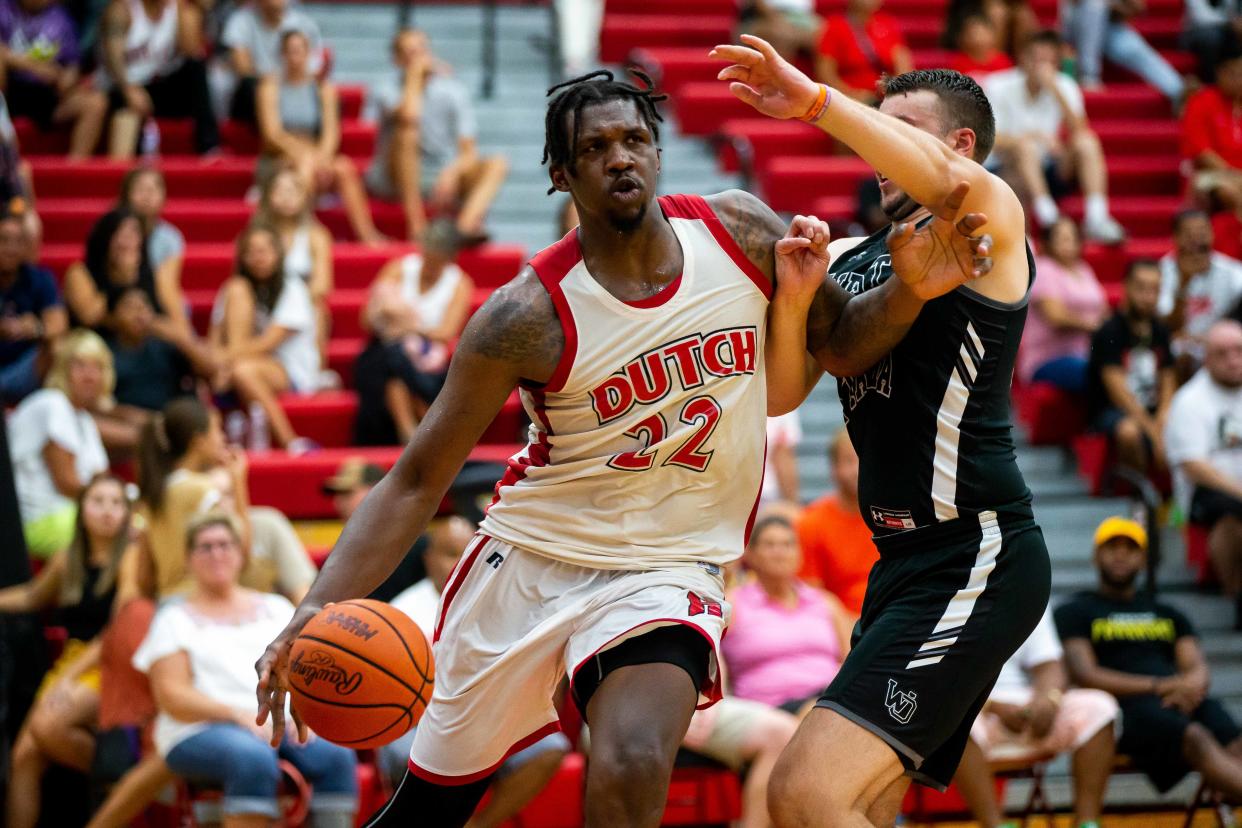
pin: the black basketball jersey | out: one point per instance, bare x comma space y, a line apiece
931, 421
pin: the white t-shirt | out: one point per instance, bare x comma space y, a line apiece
222, 656
1205, 423
785, 430
421, 602
246, 29
1017, 113
1014, 684
299, 353
1209, 295
44, 416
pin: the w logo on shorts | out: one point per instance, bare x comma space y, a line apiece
698, 606
901, 704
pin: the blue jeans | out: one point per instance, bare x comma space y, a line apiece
246, 767
1069, 373
19, 378
1095, 35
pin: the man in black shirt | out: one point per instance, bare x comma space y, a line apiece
1130, 375
1146, 654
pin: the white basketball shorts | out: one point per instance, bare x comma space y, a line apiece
512, 623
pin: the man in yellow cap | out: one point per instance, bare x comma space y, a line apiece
1121, 640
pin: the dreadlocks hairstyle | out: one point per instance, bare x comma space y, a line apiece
593, 88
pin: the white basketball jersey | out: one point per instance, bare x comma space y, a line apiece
647, 444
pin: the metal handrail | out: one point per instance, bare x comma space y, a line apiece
1149, 500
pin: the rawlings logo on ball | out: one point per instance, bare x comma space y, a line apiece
351, 625
320, 666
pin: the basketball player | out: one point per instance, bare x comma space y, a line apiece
637, 343
963, 575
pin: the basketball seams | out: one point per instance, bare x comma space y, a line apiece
400, 637
335, 645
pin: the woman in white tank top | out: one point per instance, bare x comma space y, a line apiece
418, 305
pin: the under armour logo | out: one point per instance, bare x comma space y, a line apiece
698, 606
496, 559
901, 704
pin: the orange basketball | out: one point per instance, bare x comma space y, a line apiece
361, 673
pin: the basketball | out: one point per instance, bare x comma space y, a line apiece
361, 673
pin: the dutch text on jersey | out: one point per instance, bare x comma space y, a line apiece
647, 445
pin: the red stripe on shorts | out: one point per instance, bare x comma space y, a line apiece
459, 573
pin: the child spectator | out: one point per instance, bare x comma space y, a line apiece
1101, 28
1068, 305
153, 365
252, 37
143, 193
300, 124
860, 46
1013, 21
977, 51
32, 316
267, 332
39, 72
1212, 133
1130, 374
1197, 286
55, 444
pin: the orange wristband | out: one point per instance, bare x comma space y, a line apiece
821, 103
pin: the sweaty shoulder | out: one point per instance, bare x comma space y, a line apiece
518, 325
753, 225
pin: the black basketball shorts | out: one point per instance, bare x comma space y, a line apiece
938, 622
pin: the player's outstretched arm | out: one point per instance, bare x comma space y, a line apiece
514, 336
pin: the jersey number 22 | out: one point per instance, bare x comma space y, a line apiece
700, 413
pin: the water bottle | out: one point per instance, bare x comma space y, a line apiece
150, 143
235, 428
260, 437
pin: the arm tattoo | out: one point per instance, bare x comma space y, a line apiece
518, 325
753, 225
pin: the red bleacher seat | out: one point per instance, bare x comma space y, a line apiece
1197, 557
292, 484
1094, 453
1149, 216
560, 803
769, 138
622, 33
1052, 417
703, 796
1118, 101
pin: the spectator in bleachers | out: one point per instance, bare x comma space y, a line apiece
267, 333
978, 51
780, 474
1197, 286
1130, 374
1032, 714
1204, 439
1013, 21
144, 194
747, 737
285, 204
859, 47
252, 36
198, 655
1208, 28
427, 151
787, 639
82, 585
32, 316
578, 24
1067, 306
39, 72
791, 26
1033, 104
419, 304
300, 123
177, 451
55, 443
17, 194
1121, 640
1100, 29
116, 257
153, 55
276, 560
153, 365
1212, 133
837, 551
524, 774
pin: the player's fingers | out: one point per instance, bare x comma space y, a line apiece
762, 46
736, 54
955, 199
745, 94
784, 246
982, 266
736, 72
900, 234
278, 716
969, 223
800, 226
982, 245
300, 726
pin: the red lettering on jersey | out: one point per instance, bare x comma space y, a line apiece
685, 356
612, 398
716, 363
743, 342
649, 377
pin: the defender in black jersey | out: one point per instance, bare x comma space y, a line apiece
963, 575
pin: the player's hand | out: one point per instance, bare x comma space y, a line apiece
802, 258
943, 254
273, 672
765, 80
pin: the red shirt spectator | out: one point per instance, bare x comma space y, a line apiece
978, 51
1212, 124
1227, 234
994, 62
857, 47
